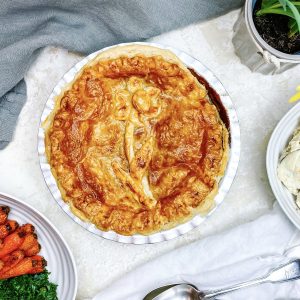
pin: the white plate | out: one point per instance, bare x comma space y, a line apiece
225, 183
60, 261
281, 136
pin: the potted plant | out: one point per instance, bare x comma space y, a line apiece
267, 35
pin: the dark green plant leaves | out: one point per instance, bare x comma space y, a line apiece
287, 8
283, 3
268, 3
295, 11
275, 11
28, 287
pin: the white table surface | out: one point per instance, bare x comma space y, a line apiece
260, 102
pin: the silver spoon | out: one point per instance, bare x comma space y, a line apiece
286, 272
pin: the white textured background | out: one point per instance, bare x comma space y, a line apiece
260, 102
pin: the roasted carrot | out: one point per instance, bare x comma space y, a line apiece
18, 248
4, 211
7, 228
38, 263
34, 250
37, 270
11, 243
28, 241
27, 228
11, 260
28, 265
12, 255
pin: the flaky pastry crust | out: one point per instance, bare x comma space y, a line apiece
134, 142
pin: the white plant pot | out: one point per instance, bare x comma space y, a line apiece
253, 51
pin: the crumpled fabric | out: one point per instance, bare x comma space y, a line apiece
245, 252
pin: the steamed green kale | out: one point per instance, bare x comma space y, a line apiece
28, 287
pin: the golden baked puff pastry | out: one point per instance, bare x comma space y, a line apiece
134, 142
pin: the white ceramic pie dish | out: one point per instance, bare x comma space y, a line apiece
225, 183
281, 136
60, 261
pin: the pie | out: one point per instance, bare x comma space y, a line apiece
135, 143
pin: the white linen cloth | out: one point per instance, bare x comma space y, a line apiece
242, 253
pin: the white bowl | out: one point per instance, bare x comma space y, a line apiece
281, 136
225, 183
60, 261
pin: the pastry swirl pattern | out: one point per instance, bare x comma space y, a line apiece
135, 144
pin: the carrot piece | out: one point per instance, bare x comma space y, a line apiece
12, 260
5, 208
28, 241
11, 256
4, 211
34, 250
39, 264
26, 228
7, 228
28, 265
38, 261
36, 270
1, 265
11, 243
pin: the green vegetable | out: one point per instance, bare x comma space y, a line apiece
28, 287
287, 8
